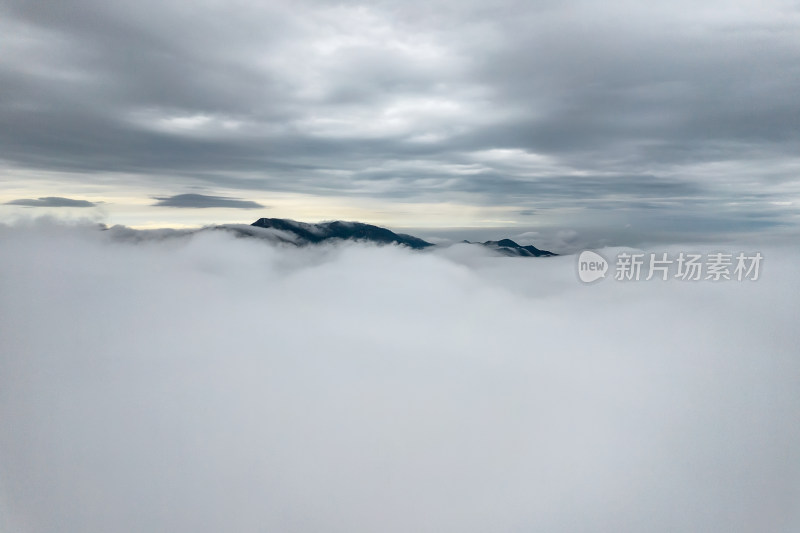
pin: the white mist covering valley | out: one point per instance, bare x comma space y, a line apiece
211, 383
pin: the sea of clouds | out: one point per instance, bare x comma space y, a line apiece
151, 382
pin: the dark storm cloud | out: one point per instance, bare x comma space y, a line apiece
202, 201
51, 201
326, 98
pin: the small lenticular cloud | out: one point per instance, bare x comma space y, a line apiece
201, 201
51, 201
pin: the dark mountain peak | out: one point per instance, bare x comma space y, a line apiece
307, 232
338, 229
512, 249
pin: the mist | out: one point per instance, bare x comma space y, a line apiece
203, 383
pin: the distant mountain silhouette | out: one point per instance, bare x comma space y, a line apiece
347, 231
288, 231
512, 249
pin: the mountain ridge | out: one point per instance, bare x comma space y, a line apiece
338, 229
304, 233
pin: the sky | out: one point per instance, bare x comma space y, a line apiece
203, 383
622, 117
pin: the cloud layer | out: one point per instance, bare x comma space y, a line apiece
205, 201
683, 108
152, 382
51, 201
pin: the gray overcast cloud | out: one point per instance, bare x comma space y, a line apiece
532, 105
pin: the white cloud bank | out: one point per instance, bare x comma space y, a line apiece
221, 384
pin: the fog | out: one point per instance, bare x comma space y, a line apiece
207, 383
